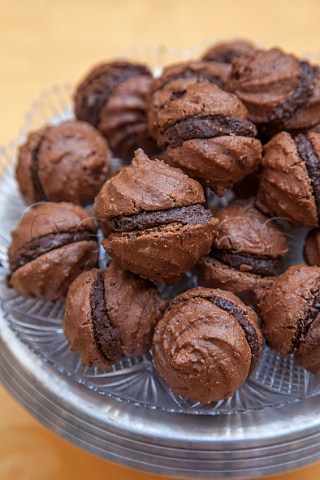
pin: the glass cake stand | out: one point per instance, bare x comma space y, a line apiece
127, 414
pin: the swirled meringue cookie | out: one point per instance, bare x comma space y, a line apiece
205, 131
290, 313
51, 246
280, 91
112, 97
290, 180
207, 344
110, 314
246, 252
192, 71
155, 222
68, 162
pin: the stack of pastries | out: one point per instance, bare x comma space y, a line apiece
239, 120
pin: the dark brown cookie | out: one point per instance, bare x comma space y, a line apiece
112, 97
205, 131
312, 248
67, 162
246, 252
206, 345
226, 52
290, 180
51, 246
154, 220
290, 311
280, 91
110, 314
192, 71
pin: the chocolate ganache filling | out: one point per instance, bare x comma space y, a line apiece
106, 336
312, 162
256, 265
40, 195
241, 317
98, 89
299, 96
191, 215
38, 246
305, 324
210, 126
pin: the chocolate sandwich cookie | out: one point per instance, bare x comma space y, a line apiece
312, 248
246, 252
51, 246
110, 314
205, 132
192, 72
280, 91
290, 312
226, 52
207, 344
155, 223
66, 162
112, 97
290, 180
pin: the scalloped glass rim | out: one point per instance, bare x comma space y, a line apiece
276, 382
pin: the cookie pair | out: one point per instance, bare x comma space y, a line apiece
154, 220
290, 313
110, 314
290, 179
205, 131
68, 162
206, 342
153, 217
50, 247
112, 98
246, 253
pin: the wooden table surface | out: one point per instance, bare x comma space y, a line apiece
45, 42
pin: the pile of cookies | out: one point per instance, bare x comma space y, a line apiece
239, 119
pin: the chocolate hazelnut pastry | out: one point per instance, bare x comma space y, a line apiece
66, 162
290, 312
110, 314
155, 223
290, 180
51, 246
280, 91
226, 52
206, 133
207, 344
112, 97
192, 72
312, 248
246, 252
